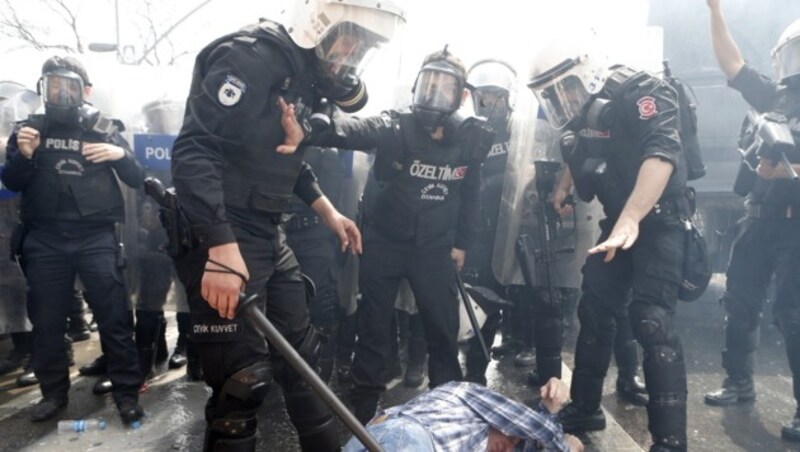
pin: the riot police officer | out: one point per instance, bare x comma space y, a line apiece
235, 182
767, 243
314, 245
622, 145
493, 84
424, 219
66, 165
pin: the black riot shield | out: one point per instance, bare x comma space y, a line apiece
16, 103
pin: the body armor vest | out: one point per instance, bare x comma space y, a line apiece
66, 186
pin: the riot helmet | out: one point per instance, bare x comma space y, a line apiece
564, 76
786, 54
437, 91
62, 87
344, 35
494, 88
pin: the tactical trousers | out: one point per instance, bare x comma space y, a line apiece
53, 258
645, 280
229, 346
763, 247
316, 252
430, 271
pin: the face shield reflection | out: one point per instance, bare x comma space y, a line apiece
62, 90
438, 91
562, 100
346, 50
490, 102
787, 59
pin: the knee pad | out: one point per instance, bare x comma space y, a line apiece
232, 412
652, 325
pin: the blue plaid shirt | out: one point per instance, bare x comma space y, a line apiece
458, 416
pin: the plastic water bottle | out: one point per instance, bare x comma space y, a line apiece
80, 426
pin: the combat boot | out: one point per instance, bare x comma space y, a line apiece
16, 359
28, 378
94, 368
48, 408
415, 373
631, 389
78, 329
733, 391
102, 386
508, 347
791, 431
576, 418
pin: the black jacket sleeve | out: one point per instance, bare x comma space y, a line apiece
127, 168
307, 186
758, 90
18, 170
216, 126
364, 134
469, 213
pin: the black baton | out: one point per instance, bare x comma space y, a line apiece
276, 339
471, 314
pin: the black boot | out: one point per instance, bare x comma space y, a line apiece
194, 368
94, 368
147, 356
48, 408
525, 358
791, 431
178, 358
130, 412
102, 385
28, 378
631, 388
575, 418
17, 358
733, 391
507, 347
78, 329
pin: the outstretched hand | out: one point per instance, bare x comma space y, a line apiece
623, 236
292, 128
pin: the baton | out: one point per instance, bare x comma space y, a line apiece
260, 322
471, 315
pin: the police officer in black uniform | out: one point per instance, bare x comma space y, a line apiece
767, 243
66, 165
622, 145
235, 182
493, 84
315, 247
424, 219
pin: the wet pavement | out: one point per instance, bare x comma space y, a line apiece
175, 406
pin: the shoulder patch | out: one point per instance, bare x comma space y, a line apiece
231, 91
647, 107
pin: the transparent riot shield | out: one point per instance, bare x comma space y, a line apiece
152, 282
16, 103
534, 148
357, 169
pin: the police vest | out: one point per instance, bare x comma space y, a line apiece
421, 202
257, 177
66, 186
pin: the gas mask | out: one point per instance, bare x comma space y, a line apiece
62, 93
436, 94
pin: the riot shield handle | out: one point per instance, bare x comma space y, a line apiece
248, 308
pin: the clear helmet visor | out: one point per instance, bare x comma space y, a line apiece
437, 91
346, 50
787, 59
562, 99
62, 89
491, 102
